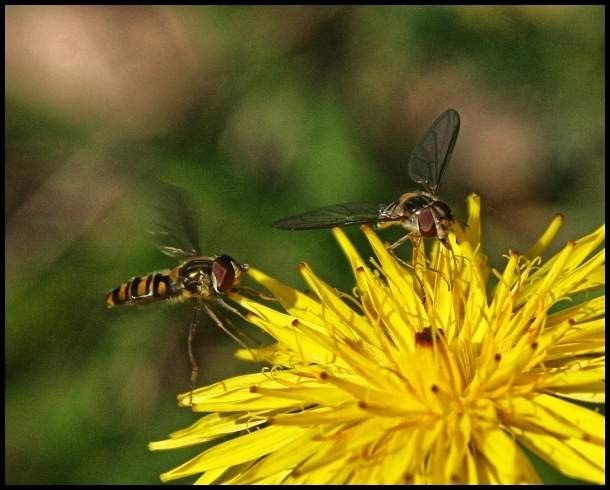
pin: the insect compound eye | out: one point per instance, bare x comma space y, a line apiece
427, 226
223, 273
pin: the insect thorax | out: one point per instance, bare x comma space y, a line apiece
413, 202
194, 277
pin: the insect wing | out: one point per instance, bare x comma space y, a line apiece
431, 156
330, 216
176, 229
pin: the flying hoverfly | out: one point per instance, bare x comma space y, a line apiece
202, 279
421, 213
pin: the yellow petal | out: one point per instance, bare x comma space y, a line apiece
588, 421
332, 472
593, 394
347, 412
210, 477
281, 462
571, 350
581, 249
243, 383
401, 283
584, 461
473, 231
383, 305
208, 428
586, 310
301, 337
235, 451
505, 284
327, 395
239, 393
349, 440
293, 301
455, 471
589, 275
585, 331
509, 462
574, 379
398, 455
546, 238
342, 318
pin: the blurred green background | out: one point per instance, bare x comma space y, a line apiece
259, 113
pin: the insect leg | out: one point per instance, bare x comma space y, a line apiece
383, 225
400, 241
243, 335
417, 241
396, 244
223, 327
455, 262
194, 366
401, 262
255, 293
228, 307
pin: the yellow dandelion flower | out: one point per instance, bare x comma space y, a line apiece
435, 379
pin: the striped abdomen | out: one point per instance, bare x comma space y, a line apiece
157, 286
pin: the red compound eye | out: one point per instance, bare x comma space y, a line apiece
425, 219
223, 272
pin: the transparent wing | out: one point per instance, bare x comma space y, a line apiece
175, 228
329, 216
431, 156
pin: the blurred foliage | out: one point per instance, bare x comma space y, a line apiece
258, 113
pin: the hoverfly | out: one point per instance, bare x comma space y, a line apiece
203, 279
421, 213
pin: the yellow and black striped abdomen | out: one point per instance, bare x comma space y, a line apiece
157, 286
